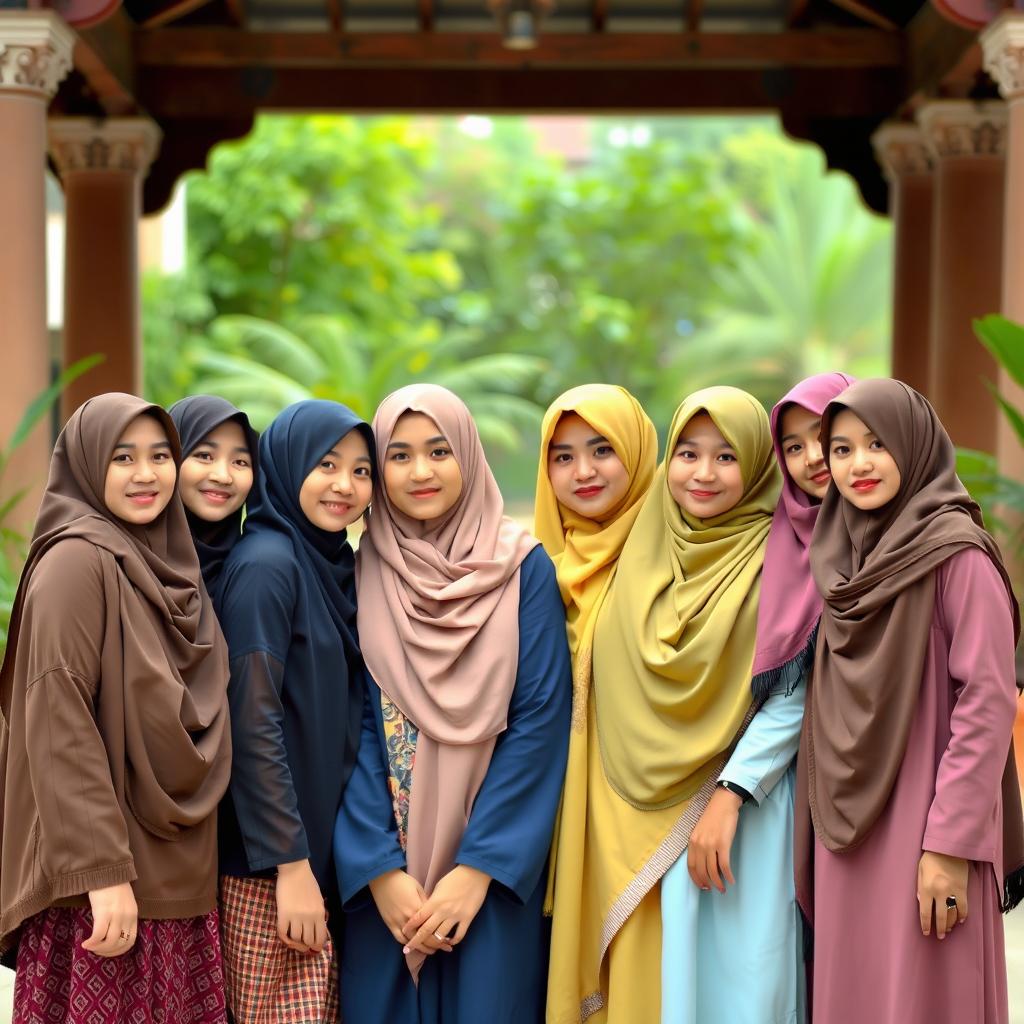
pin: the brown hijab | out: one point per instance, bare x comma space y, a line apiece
164, 669
876, 573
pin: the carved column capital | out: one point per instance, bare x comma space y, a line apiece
959, 128
1002, 44
35, 52
900, 149
115, 144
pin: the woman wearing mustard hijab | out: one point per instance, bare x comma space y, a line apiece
598, 455
673, 655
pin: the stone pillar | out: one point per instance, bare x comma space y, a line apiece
35, 55
967, 141
907, 163
102, 165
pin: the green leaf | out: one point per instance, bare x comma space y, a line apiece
41, 404
1005, 340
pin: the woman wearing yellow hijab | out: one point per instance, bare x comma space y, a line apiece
598, 454
673, 653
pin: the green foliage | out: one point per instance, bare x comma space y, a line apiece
343, 257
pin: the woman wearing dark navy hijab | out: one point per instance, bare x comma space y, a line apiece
288, 610
218, 460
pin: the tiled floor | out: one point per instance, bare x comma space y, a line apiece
1014, 964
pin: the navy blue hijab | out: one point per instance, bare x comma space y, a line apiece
196, 418
288, 601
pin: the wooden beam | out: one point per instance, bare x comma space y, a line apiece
866, 13
935, 46
227, 48
797, 11
694, 12
103, 56
236, 8
171, 10
599, 15
225, 93
425, 15
335, 15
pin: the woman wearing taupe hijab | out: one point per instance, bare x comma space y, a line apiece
906, 762
115, 748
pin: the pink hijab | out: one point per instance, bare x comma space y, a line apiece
790, 604
439, 628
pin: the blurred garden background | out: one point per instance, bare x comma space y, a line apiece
509, 258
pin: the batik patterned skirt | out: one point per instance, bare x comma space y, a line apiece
268, 983
172, 975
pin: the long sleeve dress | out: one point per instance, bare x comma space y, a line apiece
871, 962
498, 973
737, 957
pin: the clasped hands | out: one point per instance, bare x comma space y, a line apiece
416, 919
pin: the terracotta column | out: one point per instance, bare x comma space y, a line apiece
907, 163
35, 55
967, 143
1003, 45
102, 164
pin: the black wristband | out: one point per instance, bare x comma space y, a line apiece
744, 796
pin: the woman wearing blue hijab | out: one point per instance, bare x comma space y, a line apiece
287, 606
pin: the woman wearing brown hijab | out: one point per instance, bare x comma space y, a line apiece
906, 766
115, 748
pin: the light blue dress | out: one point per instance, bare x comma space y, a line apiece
737, 958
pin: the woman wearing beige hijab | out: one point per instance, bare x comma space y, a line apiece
444, 830
114, 749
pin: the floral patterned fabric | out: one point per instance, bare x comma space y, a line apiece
400, 735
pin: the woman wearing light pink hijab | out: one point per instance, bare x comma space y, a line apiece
444, 830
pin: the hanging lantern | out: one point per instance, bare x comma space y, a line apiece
520, 21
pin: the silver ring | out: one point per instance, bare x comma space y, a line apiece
440, 938
951, 903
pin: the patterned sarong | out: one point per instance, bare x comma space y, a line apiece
171, 975
268, 983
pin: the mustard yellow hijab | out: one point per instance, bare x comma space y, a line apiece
675, 647
585, 550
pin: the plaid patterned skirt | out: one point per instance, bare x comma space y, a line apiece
172, 975
268, 983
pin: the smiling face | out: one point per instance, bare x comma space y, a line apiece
141, 473
339, 488
216, 476
865, 473
801, 446
585, 473
421, 474
704, 474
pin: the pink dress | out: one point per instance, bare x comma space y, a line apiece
871, 962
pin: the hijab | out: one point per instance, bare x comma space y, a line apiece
584, 550
166, 666
439, 621
876, 573
196, 417
675, 641
790, 604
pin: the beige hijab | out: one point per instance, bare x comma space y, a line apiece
439, 628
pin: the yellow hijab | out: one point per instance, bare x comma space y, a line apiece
674, 651
584, 550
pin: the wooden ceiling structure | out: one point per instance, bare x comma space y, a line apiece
833, 69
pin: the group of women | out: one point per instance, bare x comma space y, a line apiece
727, 740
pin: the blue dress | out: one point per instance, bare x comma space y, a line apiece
498, 973
737, 958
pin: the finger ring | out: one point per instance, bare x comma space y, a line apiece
951, 903
440, 938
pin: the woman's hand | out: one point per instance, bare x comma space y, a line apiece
939, 876
455, 901
398, 896
115, 920
301, 918
711, 841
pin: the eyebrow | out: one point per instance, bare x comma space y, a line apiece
693, 443
213, 444
843, 437
796, 437
440, 439
130, 446
590, 444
